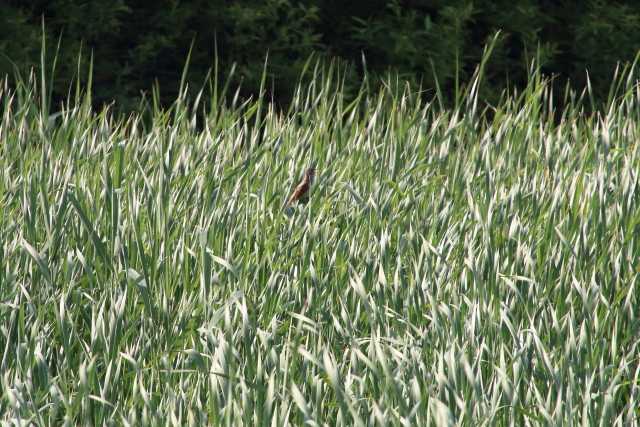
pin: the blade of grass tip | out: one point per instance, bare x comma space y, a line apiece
78, 90
438, 89
223, 93
223, 262
141, 285
294, 104
213, 86
182, 95
88, 91
300, 401
196, 102
356, 196
592, 100
257, 127
472, 91
97, 243
205, 278
53, 72
457, 81
38, 258
43, 78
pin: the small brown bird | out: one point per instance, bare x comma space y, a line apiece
303, 188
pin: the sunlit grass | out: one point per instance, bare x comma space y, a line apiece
453, 266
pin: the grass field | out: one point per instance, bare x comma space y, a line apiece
464, 265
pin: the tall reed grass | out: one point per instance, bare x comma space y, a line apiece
466, 265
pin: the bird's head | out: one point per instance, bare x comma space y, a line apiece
310, 174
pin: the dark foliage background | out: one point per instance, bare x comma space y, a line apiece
136, 43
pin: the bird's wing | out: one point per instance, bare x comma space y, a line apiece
297, 193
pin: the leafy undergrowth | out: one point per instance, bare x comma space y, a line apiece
451, 266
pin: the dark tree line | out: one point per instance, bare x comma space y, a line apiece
136, 43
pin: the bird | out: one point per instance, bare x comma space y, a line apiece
302, 188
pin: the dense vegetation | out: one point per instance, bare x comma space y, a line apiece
452, 264
135, 43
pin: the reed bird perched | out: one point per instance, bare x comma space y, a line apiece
302, 189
